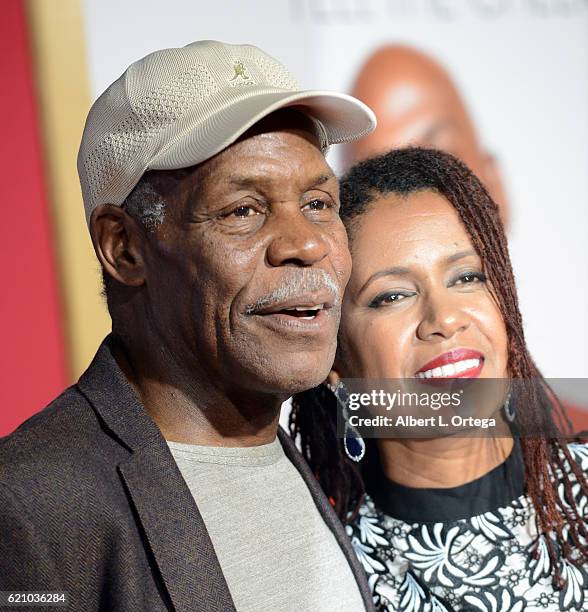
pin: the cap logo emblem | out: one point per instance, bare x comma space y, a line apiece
241, 75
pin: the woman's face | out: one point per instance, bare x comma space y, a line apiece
418, 303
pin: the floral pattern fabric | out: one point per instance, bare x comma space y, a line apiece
493, 562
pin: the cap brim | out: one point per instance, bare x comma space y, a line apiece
342, 117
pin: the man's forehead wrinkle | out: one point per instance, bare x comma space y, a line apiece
323, 178
267, 180
233, 169
247, 181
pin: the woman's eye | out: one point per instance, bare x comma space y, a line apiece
469, 278
388, 298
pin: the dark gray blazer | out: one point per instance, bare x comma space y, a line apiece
92, 503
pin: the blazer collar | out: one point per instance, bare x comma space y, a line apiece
171, 522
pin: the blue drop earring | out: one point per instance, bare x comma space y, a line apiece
509, 410
353, 443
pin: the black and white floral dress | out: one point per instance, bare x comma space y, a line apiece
473, 547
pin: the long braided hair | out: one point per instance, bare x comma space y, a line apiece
546, 456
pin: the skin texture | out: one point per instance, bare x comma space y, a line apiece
417, 103
431, 305
260, 216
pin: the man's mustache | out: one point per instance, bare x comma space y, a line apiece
301, 283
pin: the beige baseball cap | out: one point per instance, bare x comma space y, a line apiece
178, 107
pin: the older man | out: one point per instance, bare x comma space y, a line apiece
161, 480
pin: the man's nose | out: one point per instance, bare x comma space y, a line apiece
296, 240
443, 317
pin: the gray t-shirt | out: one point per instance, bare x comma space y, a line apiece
274, 548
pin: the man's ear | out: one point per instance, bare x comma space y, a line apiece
118, 240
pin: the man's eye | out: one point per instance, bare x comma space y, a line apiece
243, 211
387, 299
317, 204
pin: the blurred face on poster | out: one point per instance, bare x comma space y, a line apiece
417, 103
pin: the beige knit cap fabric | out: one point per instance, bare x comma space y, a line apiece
178, 107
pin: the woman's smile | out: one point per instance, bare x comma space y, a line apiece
456, 363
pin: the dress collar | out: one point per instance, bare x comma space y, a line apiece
498, 488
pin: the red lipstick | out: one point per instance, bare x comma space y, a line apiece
452, 357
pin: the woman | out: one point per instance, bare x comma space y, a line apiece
445, 523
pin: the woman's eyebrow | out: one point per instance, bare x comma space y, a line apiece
460, 255
395, 271
401, 270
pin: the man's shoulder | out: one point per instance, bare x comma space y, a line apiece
61, 443
67, 413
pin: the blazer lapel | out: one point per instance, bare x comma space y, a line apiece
168, 515
176, 533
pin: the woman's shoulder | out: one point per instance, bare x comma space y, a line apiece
579, 452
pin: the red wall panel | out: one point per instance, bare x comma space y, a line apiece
32, 360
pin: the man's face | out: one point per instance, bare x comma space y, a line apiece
246, 274
417, 104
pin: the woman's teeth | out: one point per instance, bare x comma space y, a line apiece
450, 369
